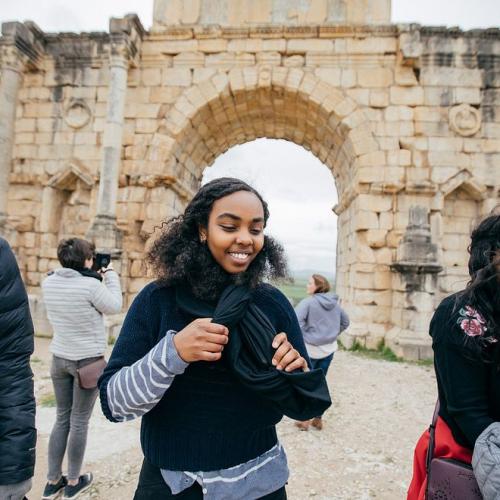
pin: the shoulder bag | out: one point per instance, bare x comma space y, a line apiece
448, 478
89, 374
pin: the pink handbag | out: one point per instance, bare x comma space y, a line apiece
89, 374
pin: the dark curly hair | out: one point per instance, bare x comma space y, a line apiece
179, 258
483, 289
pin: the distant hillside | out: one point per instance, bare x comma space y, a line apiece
305, 274
296, 291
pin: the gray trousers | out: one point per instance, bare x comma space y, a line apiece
74, 408
15, 491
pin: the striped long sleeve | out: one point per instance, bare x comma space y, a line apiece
136, 389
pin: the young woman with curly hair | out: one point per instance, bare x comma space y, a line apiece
465, 332
212, 357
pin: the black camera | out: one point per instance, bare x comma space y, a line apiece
101, 260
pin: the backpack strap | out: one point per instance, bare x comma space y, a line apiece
432, 433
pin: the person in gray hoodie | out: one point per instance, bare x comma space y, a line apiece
321, 320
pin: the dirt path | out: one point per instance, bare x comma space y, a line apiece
365, 450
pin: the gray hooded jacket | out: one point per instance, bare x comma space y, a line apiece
486, 462
321, 319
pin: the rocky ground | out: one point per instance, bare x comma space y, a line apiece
365, 450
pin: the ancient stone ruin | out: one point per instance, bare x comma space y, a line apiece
105, 135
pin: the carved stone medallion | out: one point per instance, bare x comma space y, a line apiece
77, 114
465, 120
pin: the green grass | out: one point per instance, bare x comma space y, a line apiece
381, 352
295, 291
385, 353
43, 335
47, 400
425, 362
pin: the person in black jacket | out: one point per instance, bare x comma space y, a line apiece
17, 401
465, 332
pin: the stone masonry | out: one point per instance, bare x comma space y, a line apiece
105, 135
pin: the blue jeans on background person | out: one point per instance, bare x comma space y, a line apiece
323, 364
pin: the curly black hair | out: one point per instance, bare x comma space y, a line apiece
483, 289
179, 258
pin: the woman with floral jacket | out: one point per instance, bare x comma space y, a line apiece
465, 332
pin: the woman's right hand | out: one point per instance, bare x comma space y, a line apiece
201, 340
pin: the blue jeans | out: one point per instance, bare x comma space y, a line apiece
323, 364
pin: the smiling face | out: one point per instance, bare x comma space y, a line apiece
235, 232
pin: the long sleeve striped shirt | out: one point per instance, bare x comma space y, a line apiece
136, 389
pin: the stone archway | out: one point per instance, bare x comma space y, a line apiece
284, 103
376, 102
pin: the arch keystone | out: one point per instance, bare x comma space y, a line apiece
279, 76
236, 80
221, 83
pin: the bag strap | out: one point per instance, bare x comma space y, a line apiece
95, 359
432, 433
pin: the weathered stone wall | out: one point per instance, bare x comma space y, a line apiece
58, 134
281, 12
402, 116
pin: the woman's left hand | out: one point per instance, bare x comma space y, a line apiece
286, 357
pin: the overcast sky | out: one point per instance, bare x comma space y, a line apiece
88, 15
300, 190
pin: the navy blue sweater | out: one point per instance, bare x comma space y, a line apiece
206, 420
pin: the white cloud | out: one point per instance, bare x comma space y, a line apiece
462, 13
72, 15
93, 15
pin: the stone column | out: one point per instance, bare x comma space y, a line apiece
10, 82
19, 45
9, 86
104, 230
417, 267
125, 33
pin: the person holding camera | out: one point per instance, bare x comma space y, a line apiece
76, 296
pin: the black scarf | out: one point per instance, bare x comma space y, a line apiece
90, 273
298, 395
